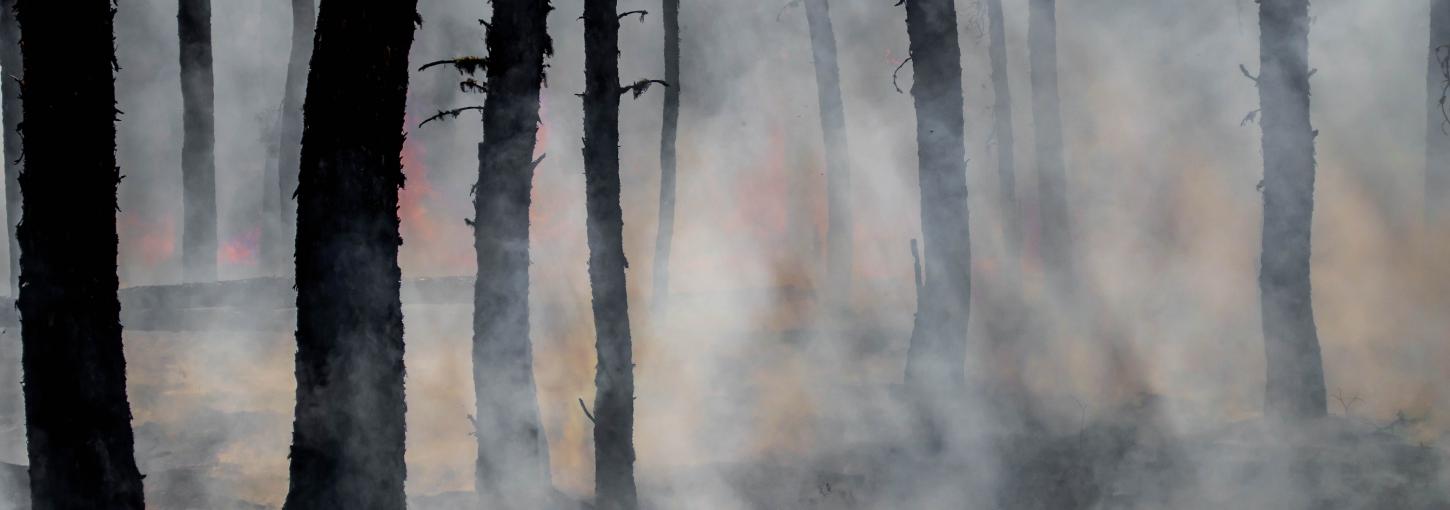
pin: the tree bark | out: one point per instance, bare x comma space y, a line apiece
198, 145
10, 66
669, 132
348, 433
614, 375
838, 163
1057, 244
1437, 127
937, 356
512, 469
1295, 388
282, 204
78, 420
1006, 145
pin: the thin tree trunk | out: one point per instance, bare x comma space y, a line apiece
198, 154
614, 375
512, 469
289, 143
1437, 127
838, 163
1057, 246
347, 439
78, 420
1295, 387
669, 132
1006, 146
10, 66
936, 358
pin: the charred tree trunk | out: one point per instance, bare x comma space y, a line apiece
347, 438
1295, 389
1056, 247
281, 202
1437, 127
10, 65
512, 469
838, 163
78, 420
198, 154
937, 356
614, 375
669, 132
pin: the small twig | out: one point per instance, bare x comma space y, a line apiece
1249, 118
641, 14
787, 6
1346, 404
893, 75
586, 411
464, 65
1245, 70
448, 114
639, 87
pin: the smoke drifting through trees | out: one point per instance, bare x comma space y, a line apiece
279, 209
348, 433
513, 455
1295, 388
198, 146
1056, 250
669, 133
78, 419
838, 165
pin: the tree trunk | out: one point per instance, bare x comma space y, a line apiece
936, 358
1057, 246
198, 154
614, 375
512, 469
10, 65
1295, 387
347, 440
838, 163
669, 131
282, 205
1437, 127
1006, 146
78, 420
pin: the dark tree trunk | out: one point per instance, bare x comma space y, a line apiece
614, 374
281, 206
669, 131
838, 163
78, 421
347, 439
1437, 127
513, 459
937, 356
10, 65
1056, 246
198, 154
1295, 387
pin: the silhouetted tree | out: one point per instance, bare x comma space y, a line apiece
838, 161
198, 145
669, 131
77, 417
347, 438
614, 375
278, 199
1056, 246
1295, 387
936, 358
10, 65
1437, 126
513, 459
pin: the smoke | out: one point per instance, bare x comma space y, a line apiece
747, 396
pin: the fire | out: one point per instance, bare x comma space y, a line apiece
241, 249
148, 241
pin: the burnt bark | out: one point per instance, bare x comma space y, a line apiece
1056, 229
838, 163
280, 200
348, 430
10, 76
937, 356
512, 469
614, 374
1437, 126
669, 132
78, 419
198, 143
1295, 388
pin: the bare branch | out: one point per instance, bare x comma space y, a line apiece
641, 14
586, 411
898, 69
639, 87
1245, 70
787, 6
464, 65
449, 114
